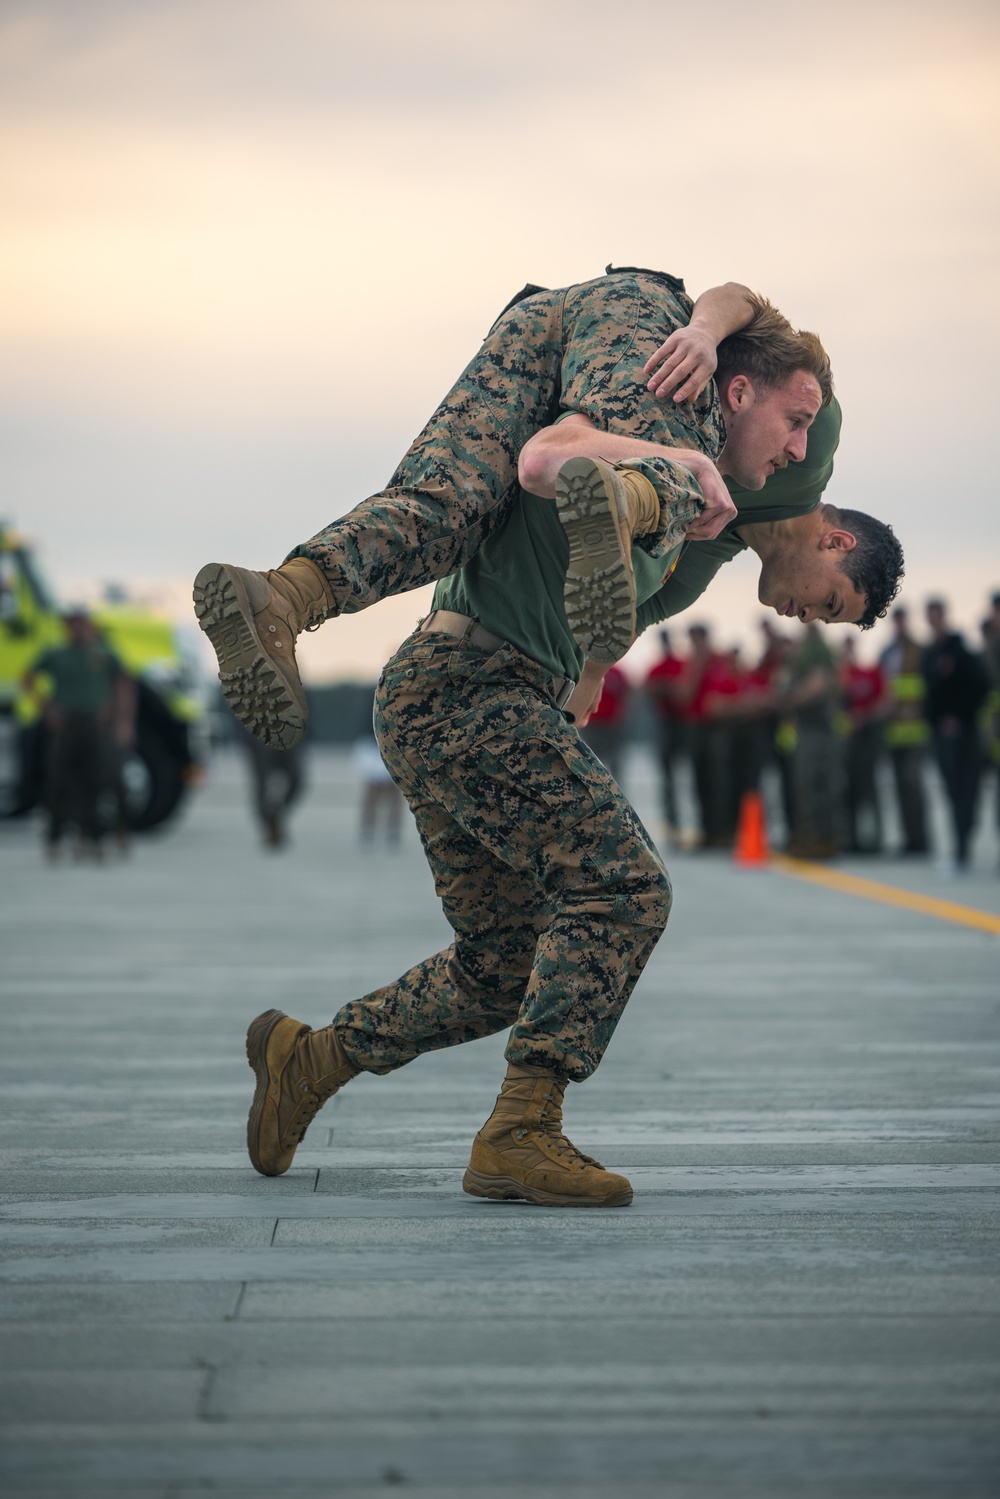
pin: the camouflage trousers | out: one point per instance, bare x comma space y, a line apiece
578, 349
552, 886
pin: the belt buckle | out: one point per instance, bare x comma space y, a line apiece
565, 692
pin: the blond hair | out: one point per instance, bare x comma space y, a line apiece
769, 351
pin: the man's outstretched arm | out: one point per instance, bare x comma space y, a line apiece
576, 437
683, 365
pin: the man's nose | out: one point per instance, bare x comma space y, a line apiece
807, 613
795, 447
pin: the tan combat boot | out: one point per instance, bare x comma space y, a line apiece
252, 620
521, 1151
297, 1070
601, 509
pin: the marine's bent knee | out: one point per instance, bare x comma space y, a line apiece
642, 892
655, 900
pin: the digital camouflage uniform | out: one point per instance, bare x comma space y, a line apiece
553, 888
580, 349
550, 882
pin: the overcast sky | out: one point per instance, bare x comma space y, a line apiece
247, 246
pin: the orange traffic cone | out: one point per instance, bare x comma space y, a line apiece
751, 850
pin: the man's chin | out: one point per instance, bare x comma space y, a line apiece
755, 480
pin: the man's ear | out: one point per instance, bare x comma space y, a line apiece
838, 541
738, 392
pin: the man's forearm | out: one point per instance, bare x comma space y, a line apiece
575, 437
723, 310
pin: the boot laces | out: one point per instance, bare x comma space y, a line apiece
550, 1125
317, 616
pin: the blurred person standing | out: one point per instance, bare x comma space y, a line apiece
957, 686
991, 641
728, 709
708, 679
776, 733
379, 791
785, 733
991, 659
811, 702
772, 657
605, 729
865, 700
906, 732
663, 687
747, 703
87, 703
277, 783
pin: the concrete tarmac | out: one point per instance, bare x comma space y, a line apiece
802, 1301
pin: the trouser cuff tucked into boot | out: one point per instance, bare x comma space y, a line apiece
522, 1154
677, 502
344, 597
253, 620
642, 501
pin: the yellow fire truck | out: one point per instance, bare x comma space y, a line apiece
170, 722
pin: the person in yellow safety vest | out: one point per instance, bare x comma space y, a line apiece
906, 731
991, 710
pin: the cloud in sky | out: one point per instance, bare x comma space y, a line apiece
246, 247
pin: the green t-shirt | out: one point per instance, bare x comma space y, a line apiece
514, 583
83, 676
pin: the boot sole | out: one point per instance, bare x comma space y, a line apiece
599, 592
258, 1035
267, 700
508, 1189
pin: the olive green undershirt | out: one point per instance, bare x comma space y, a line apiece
514, 584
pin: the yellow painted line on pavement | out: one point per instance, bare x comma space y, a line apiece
850, 884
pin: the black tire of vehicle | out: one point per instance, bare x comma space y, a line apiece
165, 775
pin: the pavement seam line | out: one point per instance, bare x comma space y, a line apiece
232, 1316
890, 895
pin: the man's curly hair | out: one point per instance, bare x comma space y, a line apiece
875, 566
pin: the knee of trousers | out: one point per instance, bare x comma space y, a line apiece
653, 901
637, 894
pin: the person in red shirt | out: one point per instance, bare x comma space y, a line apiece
865, 700
708, 683
605, 729
747, 705
663, 687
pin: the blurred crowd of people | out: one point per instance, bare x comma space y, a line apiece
833, 733
824, 724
